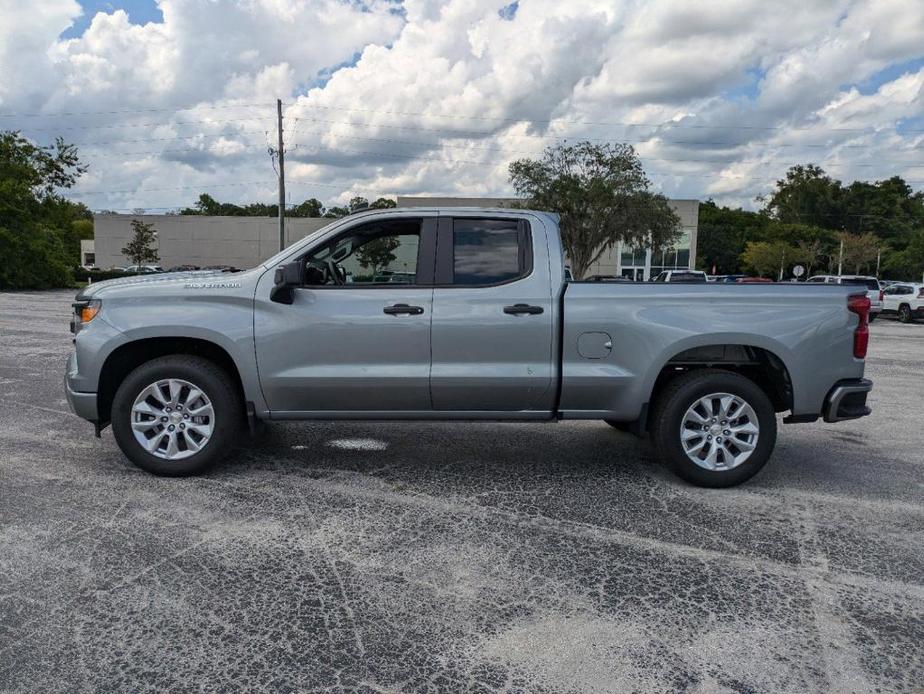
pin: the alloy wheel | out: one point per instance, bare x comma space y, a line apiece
719, 431
172, 419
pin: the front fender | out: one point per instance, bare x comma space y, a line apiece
225, 321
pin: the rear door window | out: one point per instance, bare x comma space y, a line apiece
489, 251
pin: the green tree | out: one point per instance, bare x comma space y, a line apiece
336, 212
602, 196
378, 253
36, 235
767, 257
722, 235
860, 250
890, 209
311, 207
807, 195
379, 204
907, 263
811, 253
138, 250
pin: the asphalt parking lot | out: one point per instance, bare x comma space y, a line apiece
456, 557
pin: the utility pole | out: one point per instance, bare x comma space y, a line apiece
878, 258
282, 178
840, 258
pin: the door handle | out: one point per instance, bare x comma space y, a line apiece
523, 308
403, 308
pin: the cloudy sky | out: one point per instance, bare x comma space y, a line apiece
171, 98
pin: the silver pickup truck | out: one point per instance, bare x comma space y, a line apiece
461, 314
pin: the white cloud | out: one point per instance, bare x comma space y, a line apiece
719, 97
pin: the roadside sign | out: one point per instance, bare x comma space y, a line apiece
798, 271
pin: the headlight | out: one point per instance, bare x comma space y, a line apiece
84, 312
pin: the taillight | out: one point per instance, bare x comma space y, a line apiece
859, 304
881, 295
921, 293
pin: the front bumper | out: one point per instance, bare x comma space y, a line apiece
847, 400
81, 404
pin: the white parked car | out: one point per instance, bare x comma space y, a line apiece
873, 288
904, 299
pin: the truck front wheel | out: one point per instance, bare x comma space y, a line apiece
714, 428
176, 415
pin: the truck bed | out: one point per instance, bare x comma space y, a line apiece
808, 328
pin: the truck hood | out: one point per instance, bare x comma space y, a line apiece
169, 282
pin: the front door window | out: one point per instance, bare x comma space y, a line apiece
383, 253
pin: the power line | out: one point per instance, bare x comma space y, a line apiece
416, 157
200, 186
449, 134
123, 111
497, 119
523, 119
251, 147
491, 133
205, 186
163, 124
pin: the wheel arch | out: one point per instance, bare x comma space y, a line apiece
759, 363
127, 357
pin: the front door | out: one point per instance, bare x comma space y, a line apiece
356, 337
492, 332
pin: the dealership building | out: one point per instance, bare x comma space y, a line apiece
247, 241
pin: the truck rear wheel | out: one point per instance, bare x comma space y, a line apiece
176, 415
714, 428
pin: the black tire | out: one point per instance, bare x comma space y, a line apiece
673, 403
217, 386
904, 314
872, 317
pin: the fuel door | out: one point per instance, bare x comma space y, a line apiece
595, 345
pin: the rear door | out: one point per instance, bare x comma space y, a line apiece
491, 335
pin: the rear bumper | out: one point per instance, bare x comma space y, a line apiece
847, 400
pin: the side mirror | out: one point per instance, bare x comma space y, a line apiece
287, 276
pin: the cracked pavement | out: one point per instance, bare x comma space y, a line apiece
434, 556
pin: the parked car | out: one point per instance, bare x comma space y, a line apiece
874, 290
489, 330
142, 269
223, 268
724, 278
905, 300
753, 280
606, 278
681, 276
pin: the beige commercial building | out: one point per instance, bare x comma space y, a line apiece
246, 241
199, 240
